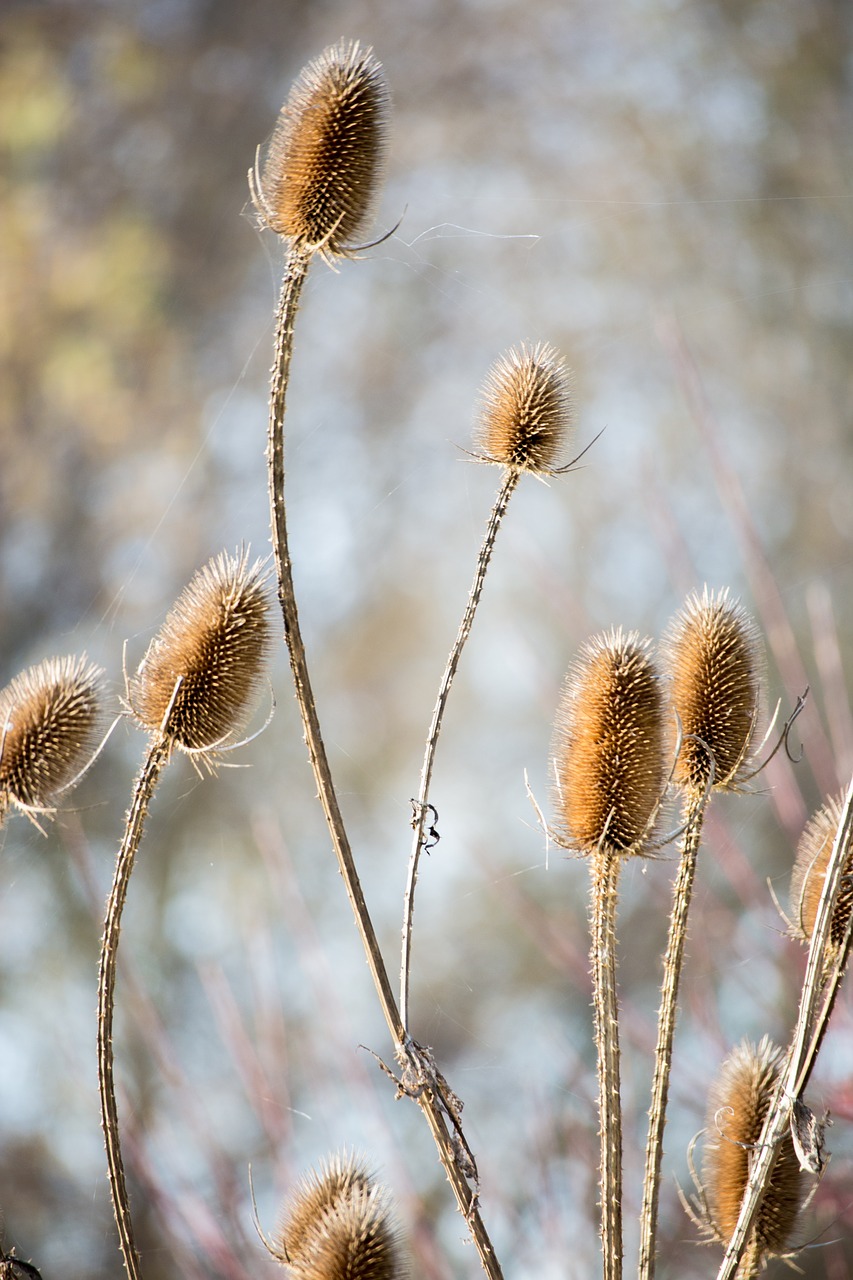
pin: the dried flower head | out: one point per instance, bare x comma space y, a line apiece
327, 152
527, 409
50, 721
338, 1226
712, 654
609, 745
737, 1108
809, 875
201, 673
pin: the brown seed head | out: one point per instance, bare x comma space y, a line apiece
527, 409
712, 655
327, 152
50, 720
202, 672
338, 1226
809, 875
737, 1108
609, 745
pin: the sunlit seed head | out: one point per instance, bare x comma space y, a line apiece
609, 746
50, 720
325, 161
527, 410
809, 876
737, 1108
712, 655
339, 1226
200, 677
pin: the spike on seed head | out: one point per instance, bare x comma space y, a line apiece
527, 409
202, 671
50, 720
609, 745
338, 1226
809, 875
712, 655
737, 1108
327, 153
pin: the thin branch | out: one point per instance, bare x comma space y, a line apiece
604, 890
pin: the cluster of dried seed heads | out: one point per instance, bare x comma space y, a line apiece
809, 875
203, 670
50, 721
338, 1226
712, 656
527, 409
327, 152
609, 746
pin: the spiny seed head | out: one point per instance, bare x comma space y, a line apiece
809, 875
527, 409
712, 655
50, 721
609, 745
327, 153
737, 1108
201, 674
338, 1226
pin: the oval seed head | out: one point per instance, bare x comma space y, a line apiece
712, 655
327, 153
527, 409
50, 721
338, 1226
202, 672
737, 1108
809, 875
609, 746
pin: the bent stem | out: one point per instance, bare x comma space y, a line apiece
505, 492
672, 965
157, 757
427, 1087
604, 892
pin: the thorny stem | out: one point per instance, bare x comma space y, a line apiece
672, 965
505, 492
157, 757
427, 1088
604, 889
806, 1040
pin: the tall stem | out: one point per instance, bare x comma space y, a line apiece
604, 892
672, 965
157, 757
419, 823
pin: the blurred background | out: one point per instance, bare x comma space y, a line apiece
661, 188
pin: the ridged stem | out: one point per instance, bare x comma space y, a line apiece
604, 892
158, 755
510, 480
667, 1014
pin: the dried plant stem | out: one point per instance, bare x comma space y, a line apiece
510, 480
672, 964
604, 891
157, 757
419, 1080
799, 1061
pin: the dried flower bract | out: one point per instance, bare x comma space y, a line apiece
326, 157
809, 875
338, 1226
50, 721
202, 672
609, 746
527, 409
712, 654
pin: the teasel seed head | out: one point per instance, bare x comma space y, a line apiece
737, 1108
527, 410
809, 875
712, 655
50, 720
609, 746
327, 153
203, 670
338, 1226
